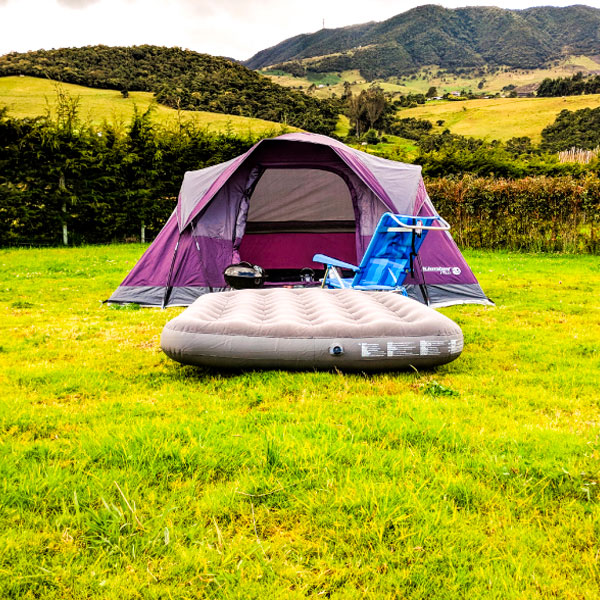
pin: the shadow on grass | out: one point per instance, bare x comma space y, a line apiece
300, 382
196, 373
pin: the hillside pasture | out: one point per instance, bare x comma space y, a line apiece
126, 475
499, 118
444, 81
493, 118
494, 82
33, 97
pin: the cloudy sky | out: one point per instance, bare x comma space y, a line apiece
234, 28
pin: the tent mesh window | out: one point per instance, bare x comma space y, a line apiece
305, 210
300, 200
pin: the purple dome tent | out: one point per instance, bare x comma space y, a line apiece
277, 205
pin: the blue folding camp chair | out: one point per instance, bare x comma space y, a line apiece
390, 255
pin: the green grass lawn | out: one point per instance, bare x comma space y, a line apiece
32, 97
126, 475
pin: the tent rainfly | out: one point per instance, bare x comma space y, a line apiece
277, 205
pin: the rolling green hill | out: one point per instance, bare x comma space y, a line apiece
483, 38
179, 79
499, 118
33, 97
476, 80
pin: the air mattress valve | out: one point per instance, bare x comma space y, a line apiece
336, 350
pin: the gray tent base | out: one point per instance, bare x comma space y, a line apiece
437, 296
434, 295
156, 295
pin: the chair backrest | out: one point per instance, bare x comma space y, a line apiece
390, 254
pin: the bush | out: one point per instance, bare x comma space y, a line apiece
533, 213
102, 184
579, 129
371, 137
411, 128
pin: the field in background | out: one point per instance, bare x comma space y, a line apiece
522, 79
499, 118
525, 79
493, 118
32, 97
125, 475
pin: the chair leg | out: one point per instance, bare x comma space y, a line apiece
324, 281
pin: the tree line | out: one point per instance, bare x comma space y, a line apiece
64, 181
569, 86
446, 154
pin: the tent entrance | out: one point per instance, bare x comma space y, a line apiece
294, 214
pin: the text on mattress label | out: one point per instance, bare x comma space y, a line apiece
432, 347
368, 350
456, 346
402, 348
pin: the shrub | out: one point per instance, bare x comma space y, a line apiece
103, 185
533, 213
371, 137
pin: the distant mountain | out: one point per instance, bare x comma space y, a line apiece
180, 79
448, 38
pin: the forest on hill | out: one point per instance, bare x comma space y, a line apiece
180, 79
452, 39
573, 129
569, 86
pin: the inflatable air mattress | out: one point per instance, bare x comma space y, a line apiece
311, 328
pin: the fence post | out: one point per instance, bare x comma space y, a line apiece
65, 231
63, 189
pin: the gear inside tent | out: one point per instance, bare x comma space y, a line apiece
276, 206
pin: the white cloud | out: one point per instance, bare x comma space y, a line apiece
77, 3
235, 28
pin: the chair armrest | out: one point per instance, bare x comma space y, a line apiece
333, 262
419, 225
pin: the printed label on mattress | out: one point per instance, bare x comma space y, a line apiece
371, 350
432, 347
456, 346
402, 348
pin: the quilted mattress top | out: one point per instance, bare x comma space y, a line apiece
311, 313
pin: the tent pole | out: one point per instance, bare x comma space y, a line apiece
168, 283
422, 286
414, 257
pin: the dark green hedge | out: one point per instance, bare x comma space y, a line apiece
533, 213
105, 183
102, 183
